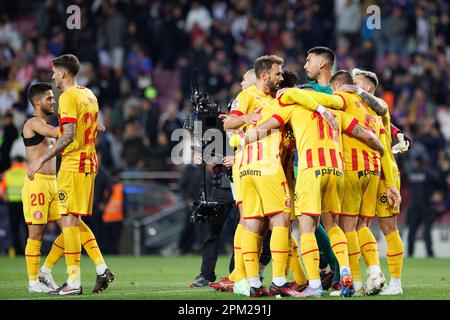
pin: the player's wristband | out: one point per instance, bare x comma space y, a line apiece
320, 109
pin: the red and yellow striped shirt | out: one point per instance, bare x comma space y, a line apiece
318, 145
79, 105
267, 149
358, 155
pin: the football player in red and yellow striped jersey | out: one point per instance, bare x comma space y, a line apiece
363, 170
366, 83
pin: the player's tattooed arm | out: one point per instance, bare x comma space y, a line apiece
373, 102
369, 138
69, 130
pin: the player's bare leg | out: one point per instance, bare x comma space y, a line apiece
369, 250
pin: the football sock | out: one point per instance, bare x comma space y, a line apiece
239, 267
310, 256
56, 252
354, 255
279, 248
395, 282
368, 245
254, 282
260, 244
72, 252
339, 245
90, 245
250, 253
327, 255
33, 258
297, 268
289, 261
232, 276
394, 255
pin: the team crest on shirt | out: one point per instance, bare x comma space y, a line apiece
37, 215
235, 104
62, 196
383, 199
288, 203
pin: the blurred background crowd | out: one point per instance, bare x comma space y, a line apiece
141, 57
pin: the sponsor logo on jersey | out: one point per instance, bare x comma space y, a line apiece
235, 104
332, 171
365, 173
250, 172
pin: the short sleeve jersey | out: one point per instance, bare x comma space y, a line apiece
79, 105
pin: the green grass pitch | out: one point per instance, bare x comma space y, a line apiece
167, 278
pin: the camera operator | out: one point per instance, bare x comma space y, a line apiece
218, 189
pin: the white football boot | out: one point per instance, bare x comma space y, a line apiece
392, 290
374, 284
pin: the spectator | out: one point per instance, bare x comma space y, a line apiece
394, 30
138, 66
113, 216
8, 96
424, 183
190, 189
198, 16
135, 144
348, 19
9, 135
114, 33
102, 194
169, 122
44, 58
422, 30
11, 192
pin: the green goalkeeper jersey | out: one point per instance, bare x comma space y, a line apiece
317, 87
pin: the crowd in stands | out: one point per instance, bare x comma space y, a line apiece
141, 57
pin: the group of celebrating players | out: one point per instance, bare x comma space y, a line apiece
321, 154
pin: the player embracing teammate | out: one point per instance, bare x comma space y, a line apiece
345, 169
